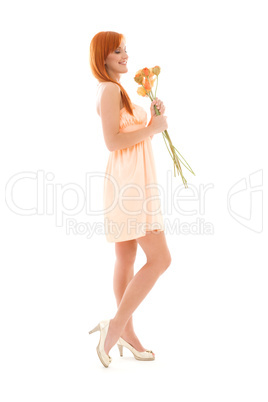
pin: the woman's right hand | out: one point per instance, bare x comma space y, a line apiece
158, 123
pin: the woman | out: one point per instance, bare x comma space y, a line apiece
130, 168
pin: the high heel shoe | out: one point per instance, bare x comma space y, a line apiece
146, 355
103, 327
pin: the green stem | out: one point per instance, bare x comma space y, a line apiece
187, 167
170, 147
165, 135
149, 94
156, 86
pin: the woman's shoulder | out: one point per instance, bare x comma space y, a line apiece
108, 84
106, 88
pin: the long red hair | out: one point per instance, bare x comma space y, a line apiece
101, 45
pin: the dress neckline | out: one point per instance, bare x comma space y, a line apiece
133, 104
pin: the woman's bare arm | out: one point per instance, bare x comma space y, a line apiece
149, 125
126, 140
110, 117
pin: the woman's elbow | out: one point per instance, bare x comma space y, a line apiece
111, 146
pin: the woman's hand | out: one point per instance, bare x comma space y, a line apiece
160, 106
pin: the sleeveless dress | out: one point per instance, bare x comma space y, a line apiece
131, 193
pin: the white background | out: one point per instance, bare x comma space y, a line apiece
206, 317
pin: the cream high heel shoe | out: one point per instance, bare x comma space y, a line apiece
103, 327
146, 355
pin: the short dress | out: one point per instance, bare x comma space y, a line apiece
131, 195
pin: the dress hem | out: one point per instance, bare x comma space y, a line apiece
137, 237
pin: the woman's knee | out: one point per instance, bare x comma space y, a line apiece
167, 261
160, 263
126, 252
155, 247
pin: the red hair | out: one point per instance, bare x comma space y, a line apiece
101, 45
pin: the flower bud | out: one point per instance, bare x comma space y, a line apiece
138, 78
156, 70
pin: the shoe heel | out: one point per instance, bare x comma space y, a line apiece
97, 328
120, 347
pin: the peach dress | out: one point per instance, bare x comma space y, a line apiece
131, 194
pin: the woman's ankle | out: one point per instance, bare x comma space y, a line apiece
115, 328
128, 332
118, 324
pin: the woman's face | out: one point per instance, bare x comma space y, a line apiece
116, 62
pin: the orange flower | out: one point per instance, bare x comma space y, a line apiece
138, 78
152, 82
146, 78
145, 71
141, 91
147, 84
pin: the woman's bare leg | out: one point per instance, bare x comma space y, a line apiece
123, 273
158, 260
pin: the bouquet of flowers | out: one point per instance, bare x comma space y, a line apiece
146, 78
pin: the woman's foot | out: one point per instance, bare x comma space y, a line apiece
113, 334
133, 340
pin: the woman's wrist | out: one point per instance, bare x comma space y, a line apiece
150, 129
150, 122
